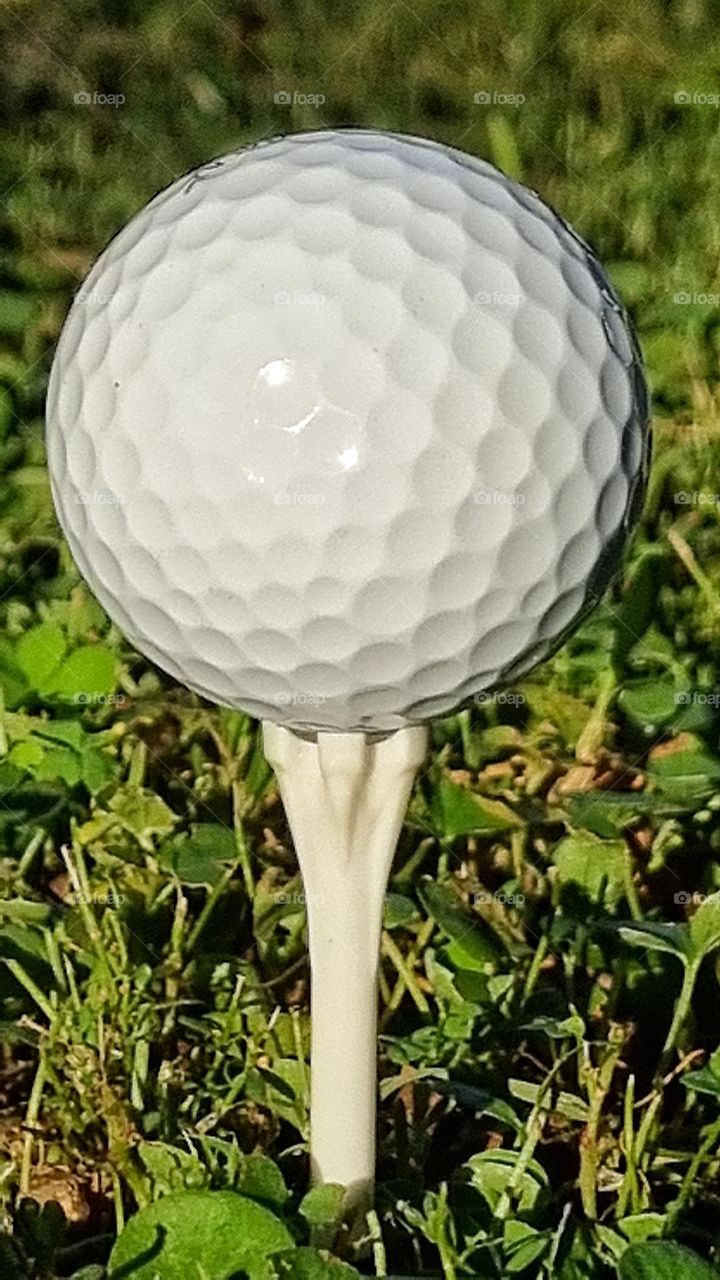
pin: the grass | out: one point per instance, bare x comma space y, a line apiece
550, 1078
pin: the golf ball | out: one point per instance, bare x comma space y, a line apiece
346, 428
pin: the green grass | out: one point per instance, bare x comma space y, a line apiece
550, 1082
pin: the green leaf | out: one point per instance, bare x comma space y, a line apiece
80, 614
472, 984
469, 1095
61, 763
571, 1107
26, 911
650, 704
26, 945
459, 812
607, 813
524, 1090
13, 680
458, 1022
474, 946
398, 910
323, 1206
614, 1243
663, 1260
705, 926
569, 715
310, 1264
442, 981
260, 1178
639, 1227
638, 607
190, 1235
707, 1079
281, 1089
558, 1028
651, 936
170, 1168
87, 675
202, 857
27, 755
96, 769
69, 732
491, 1172
684, 769
702, 1081
596, 866
523, 1246
39, 653
143, 814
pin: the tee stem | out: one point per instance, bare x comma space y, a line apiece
345, 798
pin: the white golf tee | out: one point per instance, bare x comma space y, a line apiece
345, 797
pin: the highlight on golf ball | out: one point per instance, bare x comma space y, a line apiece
345, 428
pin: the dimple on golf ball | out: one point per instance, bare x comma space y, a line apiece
345, 428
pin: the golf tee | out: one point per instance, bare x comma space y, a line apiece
345, 797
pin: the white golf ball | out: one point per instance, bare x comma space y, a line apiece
346, 428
